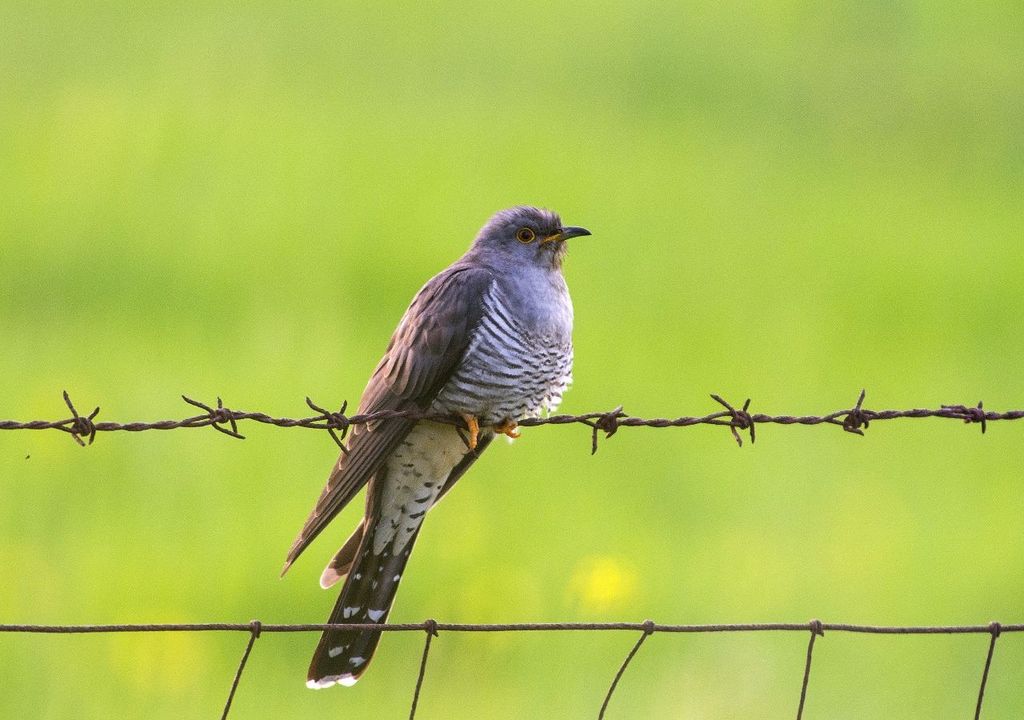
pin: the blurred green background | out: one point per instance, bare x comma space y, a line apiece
789, 202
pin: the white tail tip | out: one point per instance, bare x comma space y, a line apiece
346, 679
329, 577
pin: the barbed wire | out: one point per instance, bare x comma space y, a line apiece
83, 428
432, 629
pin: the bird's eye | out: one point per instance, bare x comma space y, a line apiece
525, 235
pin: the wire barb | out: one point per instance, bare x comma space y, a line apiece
608, 423
79, 426
334, 421
856, 418
740, 419
970, 414
218, 417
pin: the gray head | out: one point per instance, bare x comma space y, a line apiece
526, 235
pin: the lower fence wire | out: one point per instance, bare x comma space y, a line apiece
431, 627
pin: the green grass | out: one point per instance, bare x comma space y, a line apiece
788, 202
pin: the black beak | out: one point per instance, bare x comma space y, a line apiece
571, 232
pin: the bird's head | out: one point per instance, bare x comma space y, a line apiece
527, 235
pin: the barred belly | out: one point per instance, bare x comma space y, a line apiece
413, 477
509, 371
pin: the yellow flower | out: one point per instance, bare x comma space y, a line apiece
602, 583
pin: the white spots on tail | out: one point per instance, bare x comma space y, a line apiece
349, 612
375, 615
346, 679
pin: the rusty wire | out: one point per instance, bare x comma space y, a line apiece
84, 428
432, 628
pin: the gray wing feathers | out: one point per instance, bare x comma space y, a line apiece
421, 357
430, 340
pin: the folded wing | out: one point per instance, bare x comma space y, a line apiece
422, 355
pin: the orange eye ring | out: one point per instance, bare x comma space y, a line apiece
525, 235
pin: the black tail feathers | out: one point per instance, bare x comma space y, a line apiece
366, 598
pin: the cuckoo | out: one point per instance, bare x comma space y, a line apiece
487, 341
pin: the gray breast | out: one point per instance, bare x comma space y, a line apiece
515, 366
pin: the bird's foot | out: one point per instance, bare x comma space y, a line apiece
509, 427
474, 430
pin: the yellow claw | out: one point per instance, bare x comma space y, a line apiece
509, 427
474, 429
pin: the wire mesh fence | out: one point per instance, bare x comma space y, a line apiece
84, 428
432, 629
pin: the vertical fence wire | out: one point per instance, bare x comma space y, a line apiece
648, 631
816, 630
996, 630
253, 636
430, 627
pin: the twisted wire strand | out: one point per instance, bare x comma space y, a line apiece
84, 428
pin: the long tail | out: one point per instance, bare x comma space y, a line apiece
342, 656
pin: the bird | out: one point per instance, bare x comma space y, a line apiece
485, 343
